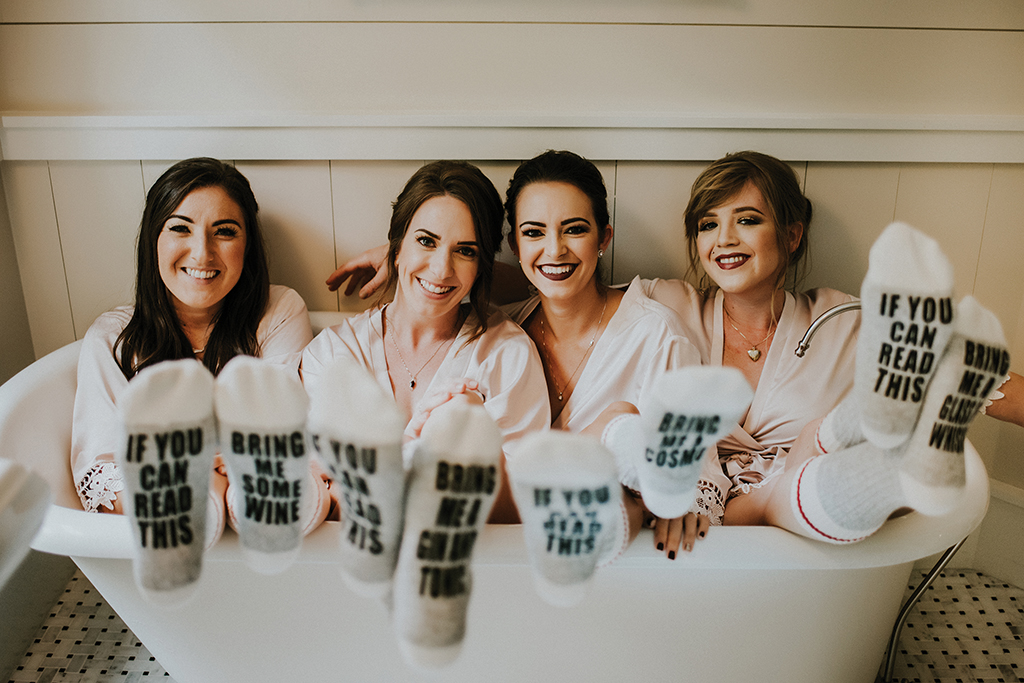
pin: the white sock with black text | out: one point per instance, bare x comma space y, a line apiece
170, 437
687, 411
569, 499
906, 321
356, 429
932, 468
261, 408
454, 480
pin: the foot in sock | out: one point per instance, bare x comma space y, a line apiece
845, 496
170, 437
975, 363
569, 499
455, 477
906, 322
357, 431
687, 411
261, 410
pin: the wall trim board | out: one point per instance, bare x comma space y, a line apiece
990, 15
642, 137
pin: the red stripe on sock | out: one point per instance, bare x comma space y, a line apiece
799, 505
817, 440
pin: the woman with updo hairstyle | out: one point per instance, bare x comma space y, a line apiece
602, 347
421, 343
202, 290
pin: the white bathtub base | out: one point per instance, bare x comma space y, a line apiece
649, 616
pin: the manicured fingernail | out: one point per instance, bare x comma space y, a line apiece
651, 522
661, 546
702, 534
688, 547
671, 554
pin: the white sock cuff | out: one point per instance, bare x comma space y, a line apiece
809, 513
620, 542
624, 437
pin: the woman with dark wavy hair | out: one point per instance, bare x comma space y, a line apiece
202, 291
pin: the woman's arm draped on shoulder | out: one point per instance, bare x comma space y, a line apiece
364, 273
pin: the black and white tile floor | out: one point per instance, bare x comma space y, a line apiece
968, 628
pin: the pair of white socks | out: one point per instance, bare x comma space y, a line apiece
409, 535
924, 368
567, 485
171, 435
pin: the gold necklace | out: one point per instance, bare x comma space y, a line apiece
412, 375
753, 351
590, 346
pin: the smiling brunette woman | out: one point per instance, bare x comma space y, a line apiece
425, 346
202, 291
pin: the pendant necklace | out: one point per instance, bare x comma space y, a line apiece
753, 351
413, 375
590, 346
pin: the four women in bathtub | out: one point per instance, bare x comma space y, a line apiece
601, 350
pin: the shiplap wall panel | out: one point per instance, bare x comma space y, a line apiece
40, 258
649, 204
298, 223
500, 68
363, 192
98, 207
1000, 287
948, 201
852, 204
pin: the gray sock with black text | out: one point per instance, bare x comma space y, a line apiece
454, 480
170, 437
356, 429
569, 499
261, 408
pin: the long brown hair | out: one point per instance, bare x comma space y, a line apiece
154, 333
779, 187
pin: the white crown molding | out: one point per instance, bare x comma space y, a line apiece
647, 136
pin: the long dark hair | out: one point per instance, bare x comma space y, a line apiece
468, 184
154, 333
779, 187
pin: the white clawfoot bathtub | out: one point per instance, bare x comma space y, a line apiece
749, 604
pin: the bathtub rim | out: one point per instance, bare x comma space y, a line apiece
73, 532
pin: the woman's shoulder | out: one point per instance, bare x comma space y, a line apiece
283, 300
111, 323
638, 307
519, 311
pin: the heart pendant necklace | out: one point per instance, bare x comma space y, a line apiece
753, 351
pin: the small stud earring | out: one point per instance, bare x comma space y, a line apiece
600, 253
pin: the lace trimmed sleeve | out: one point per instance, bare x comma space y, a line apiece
710, 502
996, 395
99, 486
